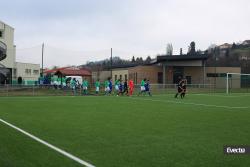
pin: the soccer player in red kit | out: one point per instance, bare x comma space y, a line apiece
131, 87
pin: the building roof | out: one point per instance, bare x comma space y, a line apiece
54, 70
163, 58
6, 24
69, 71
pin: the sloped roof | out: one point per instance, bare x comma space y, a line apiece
69, 71
181, 58
54, 70
74, 72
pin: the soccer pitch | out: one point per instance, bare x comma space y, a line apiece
110, 131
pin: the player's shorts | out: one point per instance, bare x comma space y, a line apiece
97, 89
107, 89
142, 88
179, 90
116, 87
85, 88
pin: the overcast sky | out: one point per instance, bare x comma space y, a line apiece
77, 31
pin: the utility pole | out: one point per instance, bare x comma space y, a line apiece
111, 61
42, 57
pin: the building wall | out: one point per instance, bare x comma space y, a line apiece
120, 74
29, 72
196, 73
140, 72
183, 63
101, 75
220, 82
8, 39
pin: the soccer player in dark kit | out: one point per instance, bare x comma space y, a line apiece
125, 87
147, 88
184, 88
179, 86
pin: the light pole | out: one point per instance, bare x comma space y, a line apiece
42, 57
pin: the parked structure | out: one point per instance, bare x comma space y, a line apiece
10, 70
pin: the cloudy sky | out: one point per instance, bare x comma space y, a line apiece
77, 31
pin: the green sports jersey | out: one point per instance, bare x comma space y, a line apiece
142, 83
97, 84
72, 83
54, 78
106, 83
63, 80
85, 83
117, 82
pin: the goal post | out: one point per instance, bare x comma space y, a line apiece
237, 81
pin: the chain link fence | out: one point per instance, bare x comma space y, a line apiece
55, 90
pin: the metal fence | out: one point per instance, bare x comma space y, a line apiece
54, 90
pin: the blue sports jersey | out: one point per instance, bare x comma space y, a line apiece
120, 86
110, 85
146, 86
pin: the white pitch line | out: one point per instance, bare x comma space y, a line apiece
49, 145
196, 104
227, 96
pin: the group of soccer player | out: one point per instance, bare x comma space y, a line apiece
145, 87
181, 87
126, 87
123, 87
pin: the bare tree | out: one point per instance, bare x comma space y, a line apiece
169, 49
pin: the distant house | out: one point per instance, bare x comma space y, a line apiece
246, 42
225, 46
70, 71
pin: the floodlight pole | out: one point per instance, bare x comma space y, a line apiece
111, 61
227, 84
42, 57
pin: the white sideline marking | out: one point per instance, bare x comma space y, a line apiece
196, 104
216, 95
50, 145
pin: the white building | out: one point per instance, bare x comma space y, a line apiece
28, 72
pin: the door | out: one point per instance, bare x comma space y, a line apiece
177, 72
160, 78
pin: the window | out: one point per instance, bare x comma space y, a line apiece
160, 77
14, 73
115, 77
120, 76
1, 34
126, 77
189, 79
218, 75
35, 72
28, 71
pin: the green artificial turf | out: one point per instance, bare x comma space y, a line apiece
156, 131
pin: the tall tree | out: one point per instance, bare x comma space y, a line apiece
141, 60
133, 59
191, 48
148, 59
169, 49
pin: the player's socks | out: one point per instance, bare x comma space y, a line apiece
176, 95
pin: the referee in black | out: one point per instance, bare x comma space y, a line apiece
179, 86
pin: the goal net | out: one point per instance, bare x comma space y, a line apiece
237, 83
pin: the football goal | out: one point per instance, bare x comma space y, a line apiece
237, 83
